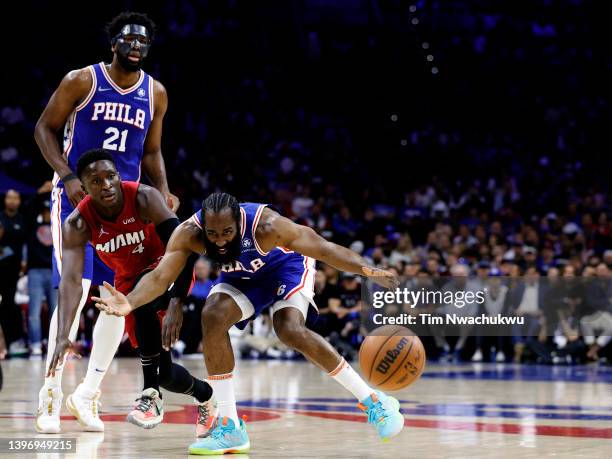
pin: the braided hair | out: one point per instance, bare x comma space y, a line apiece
216, 202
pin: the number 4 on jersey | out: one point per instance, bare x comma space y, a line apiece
138, 249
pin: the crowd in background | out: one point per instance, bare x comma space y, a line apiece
428, 137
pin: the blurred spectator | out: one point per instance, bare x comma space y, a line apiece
458, 283
327, 301
348, 315
344, 226
2, 352
490, 346
3, 349
526, 298
39, 246
12, 238
597, 325
403, 251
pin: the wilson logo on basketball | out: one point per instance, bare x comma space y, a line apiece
391, 356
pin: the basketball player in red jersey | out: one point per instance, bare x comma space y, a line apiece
119, 107
128, 224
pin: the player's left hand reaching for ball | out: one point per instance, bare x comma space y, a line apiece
381, 277
115, 305
172, 201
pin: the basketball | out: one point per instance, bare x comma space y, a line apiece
392, 357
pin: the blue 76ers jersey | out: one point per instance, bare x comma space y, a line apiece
111, 118
253, 262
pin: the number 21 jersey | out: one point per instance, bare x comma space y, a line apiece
111, 118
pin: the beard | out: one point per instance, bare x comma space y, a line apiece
127, 64
229, 257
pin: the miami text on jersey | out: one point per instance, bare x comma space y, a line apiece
121, 240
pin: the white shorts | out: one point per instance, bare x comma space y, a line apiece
300, 301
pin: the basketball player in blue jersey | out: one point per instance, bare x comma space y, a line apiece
120, 108
267, 261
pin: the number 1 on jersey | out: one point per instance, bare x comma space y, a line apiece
110, 143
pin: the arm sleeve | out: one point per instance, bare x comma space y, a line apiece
184, 281
164, 229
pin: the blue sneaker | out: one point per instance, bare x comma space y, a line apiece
384, 412
224, 438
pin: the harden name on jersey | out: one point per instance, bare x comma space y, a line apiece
117, 111
122, 240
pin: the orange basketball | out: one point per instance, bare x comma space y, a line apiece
392, 357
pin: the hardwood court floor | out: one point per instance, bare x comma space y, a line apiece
293, 410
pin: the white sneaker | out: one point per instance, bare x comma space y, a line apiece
85, 409
477, 357
49, 407
35, 351
18, 348
500, 357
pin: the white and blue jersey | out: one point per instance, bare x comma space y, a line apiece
112, 118
263, 278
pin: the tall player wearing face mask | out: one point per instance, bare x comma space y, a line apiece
120, 108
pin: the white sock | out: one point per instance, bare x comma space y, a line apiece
349, 378
107, 335
56, 381
223, 391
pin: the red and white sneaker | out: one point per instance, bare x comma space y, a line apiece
149, 411
207, 415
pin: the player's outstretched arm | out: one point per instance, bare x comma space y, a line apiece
75, 236
155, 282
73, 89
153, 208
279, 231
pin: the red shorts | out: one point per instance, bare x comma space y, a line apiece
130, 327
130, 323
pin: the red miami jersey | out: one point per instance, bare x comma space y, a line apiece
127, 245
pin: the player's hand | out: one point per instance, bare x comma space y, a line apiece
172, 201
115, 305
172, 323
62, 347
381, 277
74, 191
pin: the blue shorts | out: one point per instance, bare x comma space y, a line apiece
289, 285
93, 268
